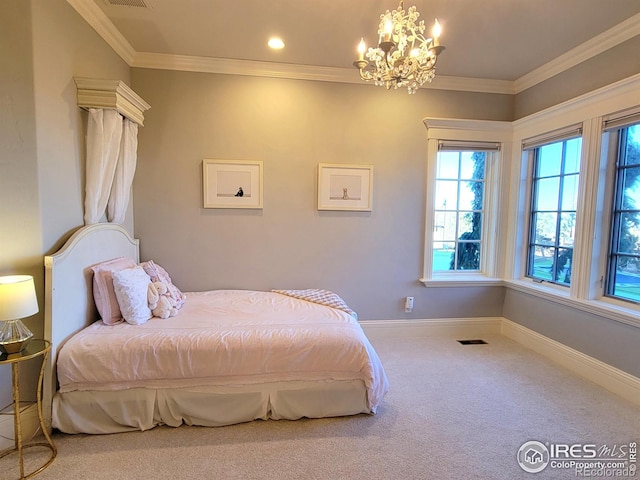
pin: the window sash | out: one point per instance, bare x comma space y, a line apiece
618, 211
559, 250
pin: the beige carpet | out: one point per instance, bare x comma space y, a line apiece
453, 412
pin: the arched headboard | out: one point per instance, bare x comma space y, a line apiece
69, 304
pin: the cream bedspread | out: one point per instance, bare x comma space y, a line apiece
224, 337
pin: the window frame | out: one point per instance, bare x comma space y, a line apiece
596, 112
466, 134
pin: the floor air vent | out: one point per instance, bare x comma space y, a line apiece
128, 3
472, 342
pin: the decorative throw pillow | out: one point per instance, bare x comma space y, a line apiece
159, 274
131, 286
103, 293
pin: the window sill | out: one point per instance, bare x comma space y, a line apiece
460, 280
627, 315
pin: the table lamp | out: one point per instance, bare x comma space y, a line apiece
17, 300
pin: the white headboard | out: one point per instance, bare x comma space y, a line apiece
69, 304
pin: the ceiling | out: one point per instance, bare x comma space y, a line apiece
503, 42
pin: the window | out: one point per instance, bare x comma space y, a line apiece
459, 207
573, 206
554, 201
463, 240
623, 270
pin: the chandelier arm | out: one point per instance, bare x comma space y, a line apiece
366, 75
386, 59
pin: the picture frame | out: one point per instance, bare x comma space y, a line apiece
232, 183
345, 187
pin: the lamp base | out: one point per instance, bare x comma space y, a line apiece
15, 347
14, 336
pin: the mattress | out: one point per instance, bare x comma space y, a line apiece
225, 338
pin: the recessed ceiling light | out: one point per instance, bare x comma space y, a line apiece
276, 43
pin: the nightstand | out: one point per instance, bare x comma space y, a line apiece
35, 348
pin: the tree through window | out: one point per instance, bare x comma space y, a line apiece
459, 202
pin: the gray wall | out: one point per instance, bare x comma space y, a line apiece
615, 64
43, 45
610, 341
607, 340
372, 259
64, 46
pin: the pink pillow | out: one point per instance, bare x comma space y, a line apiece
159, 274
103, 293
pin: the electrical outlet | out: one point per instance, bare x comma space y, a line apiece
408, 305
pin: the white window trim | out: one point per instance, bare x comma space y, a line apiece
590, 109
452, 130
585, 292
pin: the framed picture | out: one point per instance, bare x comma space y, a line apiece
345, 187
232, 183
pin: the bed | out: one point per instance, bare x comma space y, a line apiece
228, 356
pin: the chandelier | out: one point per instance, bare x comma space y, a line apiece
403, 57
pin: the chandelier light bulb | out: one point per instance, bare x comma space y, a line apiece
388, 29
361, 49
437, 31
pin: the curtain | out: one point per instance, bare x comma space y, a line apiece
125, 170
112, 141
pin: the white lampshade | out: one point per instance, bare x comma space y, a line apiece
17, 297
17, 300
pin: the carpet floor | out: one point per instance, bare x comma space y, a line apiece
453, 412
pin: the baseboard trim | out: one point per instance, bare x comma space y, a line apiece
432, 326
617, 381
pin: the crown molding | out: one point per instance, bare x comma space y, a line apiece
610, 98
225, 66
470, 84
606, 40
96, 18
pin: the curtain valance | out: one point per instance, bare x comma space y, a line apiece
115, 112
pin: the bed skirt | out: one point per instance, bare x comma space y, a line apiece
98, 412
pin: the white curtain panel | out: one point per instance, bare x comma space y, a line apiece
104, 132
125, 170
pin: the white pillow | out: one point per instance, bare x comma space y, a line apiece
131, 286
